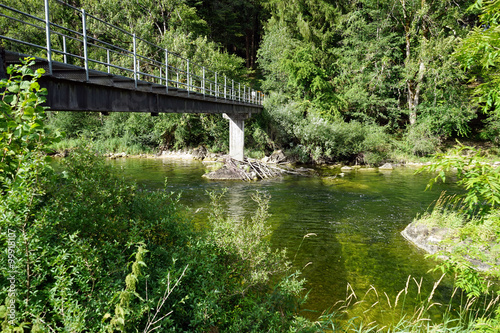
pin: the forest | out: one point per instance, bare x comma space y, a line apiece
361, 82
353, 81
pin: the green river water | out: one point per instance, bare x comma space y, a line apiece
356, 222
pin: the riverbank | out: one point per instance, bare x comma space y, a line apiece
112, 149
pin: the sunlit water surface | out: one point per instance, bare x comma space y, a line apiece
353, 226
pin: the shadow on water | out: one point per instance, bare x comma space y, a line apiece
353, 223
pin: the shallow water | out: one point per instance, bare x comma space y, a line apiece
353, 226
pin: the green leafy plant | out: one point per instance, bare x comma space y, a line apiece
481, 180
22, 130
479, 54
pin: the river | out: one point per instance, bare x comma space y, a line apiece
353, 226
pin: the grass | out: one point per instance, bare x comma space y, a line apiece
376, 312
113, 145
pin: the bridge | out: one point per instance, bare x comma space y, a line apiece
92, 65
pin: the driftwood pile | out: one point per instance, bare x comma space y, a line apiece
247, 170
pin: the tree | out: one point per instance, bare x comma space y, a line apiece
479, 54
297, 52
235, 24
425, 24
394, 56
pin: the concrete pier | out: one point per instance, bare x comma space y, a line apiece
237, 134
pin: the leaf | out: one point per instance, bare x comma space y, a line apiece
14, 88
35, 86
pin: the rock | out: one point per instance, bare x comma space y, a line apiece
199, 153
387, 166
431, 240
277, 157
224, 173
265, 159
425, 237
346, 168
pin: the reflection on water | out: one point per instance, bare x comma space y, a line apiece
356, 220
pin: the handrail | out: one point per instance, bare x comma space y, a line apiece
119, 54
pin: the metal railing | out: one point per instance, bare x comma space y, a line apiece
87, 41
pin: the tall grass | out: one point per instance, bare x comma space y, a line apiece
375, 311
104, 146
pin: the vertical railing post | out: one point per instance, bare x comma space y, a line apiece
225, 87
85, 51
216, 87
135, 60
108, 60
203, 82
65, 52
47, 36
239, 92
188, 78
244, 94
166, 69
232, 90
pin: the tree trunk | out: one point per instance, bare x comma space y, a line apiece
414, 87
247, 47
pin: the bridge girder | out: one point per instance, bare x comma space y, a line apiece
67, 91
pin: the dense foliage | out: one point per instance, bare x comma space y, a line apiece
473, 221
85, 251
21, 121
352, 81
389, 71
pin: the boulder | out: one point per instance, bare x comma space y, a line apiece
424, 237
439, 239
387, 166
277, 157
199, 153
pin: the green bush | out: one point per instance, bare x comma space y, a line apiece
22, 129
76, 232
480, 179
419, 140
474, 219
300, 129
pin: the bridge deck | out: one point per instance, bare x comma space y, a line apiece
69, 90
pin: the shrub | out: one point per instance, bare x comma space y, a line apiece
480, 179
301, 129
419, 140
22, 130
